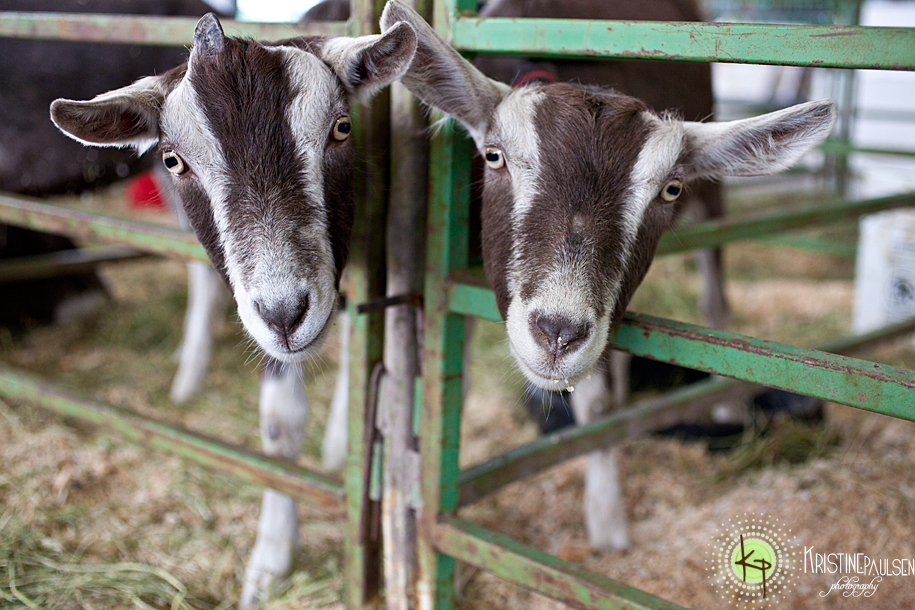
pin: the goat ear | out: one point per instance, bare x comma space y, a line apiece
127, 117
367, 64
209, 39
440, 77
760, 145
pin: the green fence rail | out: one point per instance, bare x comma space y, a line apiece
131, 29
79, 224
821, 46
64, 262
317, 489
546, 574
691, 403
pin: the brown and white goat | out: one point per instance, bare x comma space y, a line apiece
256, 137
580, 183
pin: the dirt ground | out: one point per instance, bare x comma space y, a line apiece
116, 526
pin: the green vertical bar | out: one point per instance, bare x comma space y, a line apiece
364, 281
845, 12
440, 421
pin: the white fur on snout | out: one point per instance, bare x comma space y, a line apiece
282, 275
303, 342
275, 285
562, 295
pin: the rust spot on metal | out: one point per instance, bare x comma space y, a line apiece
746, 346
832, 34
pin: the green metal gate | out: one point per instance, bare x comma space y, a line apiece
444, 537
450, 295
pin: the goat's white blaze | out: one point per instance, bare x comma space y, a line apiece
654, 167
656, 164
183, 120
562, 290
513, 131
278, 276
657, 159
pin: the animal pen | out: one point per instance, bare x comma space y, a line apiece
452, 292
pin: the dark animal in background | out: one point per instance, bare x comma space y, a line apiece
36, 161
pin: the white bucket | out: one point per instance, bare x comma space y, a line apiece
885, 270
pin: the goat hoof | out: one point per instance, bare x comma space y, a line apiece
612, 541
274, 549
186, 385
256, 588
263, 573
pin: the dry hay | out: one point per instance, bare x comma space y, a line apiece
855, 497
91, 523
37, 574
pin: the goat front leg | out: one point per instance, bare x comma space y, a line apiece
604, 509
283, 421
709, 261
333, 447
206, 299
712, 300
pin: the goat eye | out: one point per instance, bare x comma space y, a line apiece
342, 129
494, 157
173, 162
671, 190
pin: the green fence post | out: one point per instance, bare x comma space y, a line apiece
365, 273
440, 421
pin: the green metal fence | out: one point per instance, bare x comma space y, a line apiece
450, 295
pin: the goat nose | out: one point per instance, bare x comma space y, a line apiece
560, 335
285, 317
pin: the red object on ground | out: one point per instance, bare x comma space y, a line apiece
143, 192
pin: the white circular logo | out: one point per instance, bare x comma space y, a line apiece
751, 560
